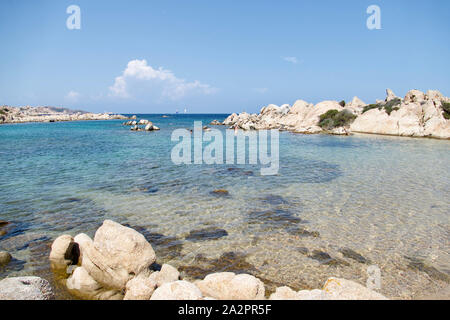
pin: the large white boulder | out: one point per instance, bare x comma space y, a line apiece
286, 293
229, 286
178, 290
123, 248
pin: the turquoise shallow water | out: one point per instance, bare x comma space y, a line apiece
385, 198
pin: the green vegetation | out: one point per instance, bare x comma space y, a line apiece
446, 108
388, 106
333, 119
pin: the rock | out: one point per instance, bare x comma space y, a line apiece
134, 128
5, 258
210, 233
25, 288
178, 290
220, 192
144, 121
140, 288
64, 252
165, 275
83, 284
82, 240
100, 269
3, 223
215, 123
124, 247
285, 293
155, 128
414, 96
149, 127
390, 95
342, 289
229, 286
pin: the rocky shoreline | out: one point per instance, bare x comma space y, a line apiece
50, 114
120, 264
418, 114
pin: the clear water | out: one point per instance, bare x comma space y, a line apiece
386, 198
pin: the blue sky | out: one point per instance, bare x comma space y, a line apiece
218, 56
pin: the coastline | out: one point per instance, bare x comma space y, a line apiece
418, 114
11, 115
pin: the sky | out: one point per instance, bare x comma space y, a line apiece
218, 56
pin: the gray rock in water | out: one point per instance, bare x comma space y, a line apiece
5, 257
25, 288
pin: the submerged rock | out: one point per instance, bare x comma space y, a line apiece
5, 257
210, 233
25, 288
349, 253
220, 192
325, 258
419, 265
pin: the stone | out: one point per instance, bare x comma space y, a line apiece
64, 252
140, 288
5, 257
99, 268
149, 127
123, 247
144, 121
414, 96
286, 293
342, 289
178, 290
82, 240
25, 288
165, 275
229, 286
390, 95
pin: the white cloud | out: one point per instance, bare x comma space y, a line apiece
72, 96
293, 60
139, 78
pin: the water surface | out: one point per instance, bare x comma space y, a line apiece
338, 204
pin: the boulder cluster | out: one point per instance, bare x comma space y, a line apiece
119, 263
141, 125
418, 114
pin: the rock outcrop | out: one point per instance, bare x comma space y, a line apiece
25, 288
50, 114
417, 115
